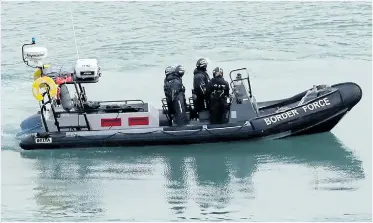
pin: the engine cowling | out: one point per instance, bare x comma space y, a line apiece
87, 69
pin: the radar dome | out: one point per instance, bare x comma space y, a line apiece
36, 53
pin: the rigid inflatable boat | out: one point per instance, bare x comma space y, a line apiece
65, 122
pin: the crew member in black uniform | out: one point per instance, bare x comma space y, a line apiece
218, 93
200, 81
175, 95
168, 71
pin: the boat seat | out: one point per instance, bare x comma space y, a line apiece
188, 118
204, 116
163, 121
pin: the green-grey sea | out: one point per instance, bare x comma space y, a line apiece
287, 48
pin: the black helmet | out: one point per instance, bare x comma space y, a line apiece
202, 63
168, 70
180, 70
217, 72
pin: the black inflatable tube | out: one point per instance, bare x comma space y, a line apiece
186, 136
307, 120
162, 137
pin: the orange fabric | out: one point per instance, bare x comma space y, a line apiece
58, 93
61, 80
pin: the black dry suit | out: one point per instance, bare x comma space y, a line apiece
200, 81
175, 96
218, 92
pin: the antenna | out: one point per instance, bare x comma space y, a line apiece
72, 21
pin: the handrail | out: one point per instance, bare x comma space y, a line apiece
230, 73
245, 78
233, 86
42, 109
23, 55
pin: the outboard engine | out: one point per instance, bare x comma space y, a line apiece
87, 69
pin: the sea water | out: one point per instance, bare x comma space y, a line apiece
286, 46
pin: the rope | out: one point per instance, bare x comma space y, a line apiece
197, 131
230, 133
167, 133
117, 133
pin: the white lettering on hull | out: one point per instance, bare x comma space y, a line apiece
43, 140
291, 113
316, 105
280, 117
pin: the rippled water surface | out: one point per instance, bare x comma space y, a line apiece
287, 47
